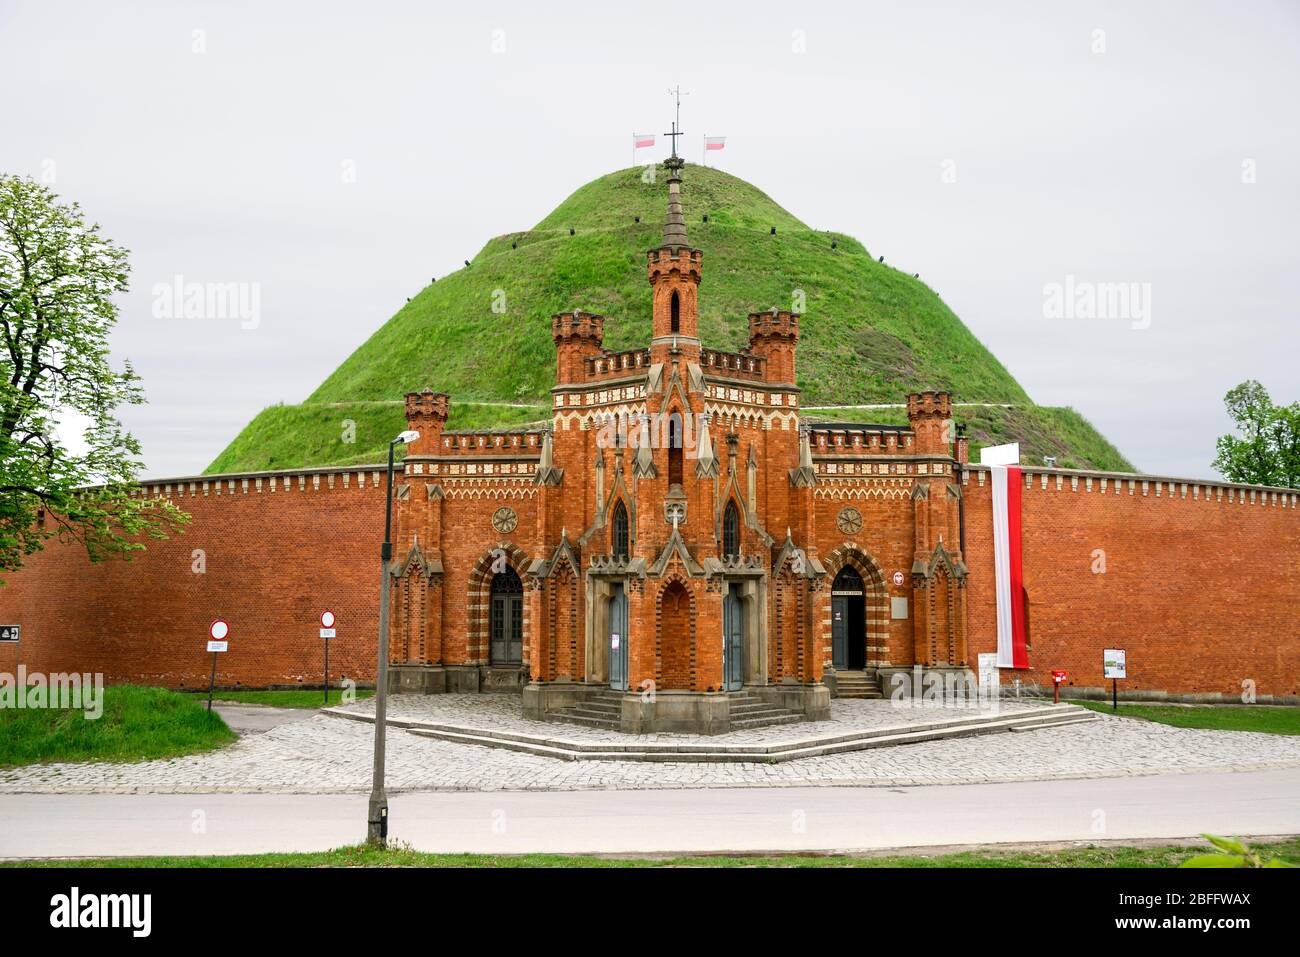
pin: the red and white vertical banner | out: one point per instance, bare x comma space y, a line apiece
1008, 568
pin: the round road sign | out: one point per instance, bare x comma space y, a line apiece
327, 619
218, 630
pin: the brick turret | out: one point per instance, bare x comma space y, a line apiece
774, 335
426, 413
578, 336
930, 414
674, 273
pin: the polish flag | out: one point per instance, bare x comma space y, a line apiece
714, 142
642, 140
1008, 569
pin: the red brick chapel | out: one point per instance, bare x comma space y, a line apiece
677, 551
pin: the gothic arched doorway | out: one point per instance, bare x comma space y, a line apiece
848, 621
506, 619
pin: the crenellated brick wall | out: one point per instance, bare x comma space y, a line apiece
1198, 581
268, 552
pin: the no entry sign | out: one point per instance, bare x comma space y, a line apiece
218, 631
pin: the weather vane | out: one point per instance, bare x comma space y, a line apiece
677, 92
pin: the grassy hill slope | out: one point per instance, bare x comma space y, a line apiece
869, 333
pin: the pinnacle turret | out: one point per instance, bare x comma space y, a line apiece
675, 224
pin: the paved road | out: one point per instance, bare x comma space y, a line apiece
253, 718
750, 819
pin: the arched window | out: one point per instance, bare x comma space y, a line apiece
676, 320
674, 449
731, 531
620, 531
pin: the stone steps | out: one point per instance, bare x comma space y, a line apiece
856, 684
632, 748
766, 721
603, 709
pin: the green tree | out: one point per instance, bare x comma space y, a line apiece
1268, 451
58, 276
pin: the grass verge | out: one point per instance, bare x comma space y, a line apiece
363, 856
137, 724
1270, 719
286, 699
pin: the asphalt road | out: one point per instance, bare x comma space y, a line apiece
749, 819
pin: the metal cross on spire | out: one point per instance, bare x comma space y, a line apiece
678, 94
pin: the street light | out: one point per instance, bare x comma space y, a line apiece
377, 818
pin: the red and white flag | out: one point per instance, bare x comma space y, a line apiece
642, 140
714, 142
1008, 568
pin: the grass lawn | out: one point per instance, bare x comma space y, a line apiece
363, 856
138, 723
1272, 719
284, 699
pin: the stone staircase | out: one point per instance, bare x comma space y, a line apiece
694, 748
857, 684
748, 710
598, 709
601, 709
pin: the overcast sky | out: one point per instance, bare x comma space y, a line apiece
338, 155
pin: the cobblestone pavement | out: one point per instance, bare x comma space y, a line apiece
329, 755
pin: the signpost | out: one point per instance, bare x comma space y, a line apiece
9, 632
327, 632
1114, 665
218, 632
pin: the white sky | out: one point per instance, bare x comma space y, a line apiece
1122, 166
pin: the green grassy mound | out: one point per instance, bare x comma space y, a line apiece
869, 333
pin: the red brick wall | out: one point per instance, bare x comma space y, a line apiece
1202, 593
274, 561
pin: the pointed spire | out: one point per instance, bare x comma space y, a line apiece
547, 473
675, 224
805, 475
643, 465
706, 464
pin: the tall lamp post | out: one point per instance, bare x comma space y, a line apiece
377, 826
